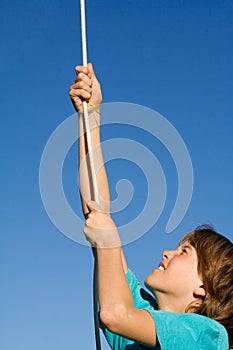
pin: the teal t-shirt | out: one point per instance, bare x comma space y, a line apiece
175, 331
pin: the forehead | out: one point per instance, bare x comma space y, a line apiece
186, 238
185, 243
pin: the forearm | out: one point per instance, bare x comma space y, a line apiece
101, 176
84, 167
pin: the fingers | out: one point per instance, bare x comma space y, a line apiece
82, 86
82, 77
81, 89
85, 87
84, 70
81, 94
86, 74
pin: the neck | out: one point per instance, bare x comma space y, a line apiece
171, 303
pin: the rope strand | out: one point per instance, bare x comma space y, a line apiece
93, 179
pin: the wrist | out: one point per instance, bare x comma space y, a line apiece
93, 119
107, 238
111, 242
102, 238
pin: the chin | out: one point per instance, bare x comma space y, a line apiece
147, 283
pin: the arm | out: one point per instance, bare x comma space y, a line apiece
117, 309
86, 87
142, 300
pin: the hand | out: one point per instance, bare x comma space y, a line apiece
100, 230
85, 88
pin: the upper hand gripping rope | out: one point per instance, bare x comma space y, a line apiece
92, 176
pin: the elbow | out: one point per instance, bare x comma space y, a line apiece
114, 316
106, 317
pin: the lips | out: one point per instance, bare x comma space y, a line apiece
161, 266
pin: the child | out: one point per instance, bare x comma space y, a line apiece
192, 306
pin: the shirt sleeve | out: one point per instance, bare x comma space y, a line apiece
188, 331
142, 300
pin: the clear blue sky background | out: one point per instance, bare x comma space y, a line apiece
174, 56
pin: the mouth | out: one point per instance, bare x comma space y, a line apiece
161, 267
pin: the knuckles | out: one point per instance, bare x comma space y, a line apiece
71, 92
81, 69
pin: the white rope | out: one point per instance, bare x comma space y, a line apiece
83, 29
92, 174
85, 110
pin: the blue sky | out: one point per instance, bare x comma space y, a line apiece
172, 56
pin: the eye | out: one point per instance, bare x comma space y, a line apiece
183, 250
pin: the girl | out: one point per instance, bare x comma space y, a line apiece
192, 307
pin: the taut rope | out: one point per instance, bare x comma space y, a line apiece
92, 176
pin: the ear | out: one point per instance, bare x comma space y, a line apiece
200, 291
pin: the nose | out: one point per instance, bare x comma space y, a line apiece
168, 254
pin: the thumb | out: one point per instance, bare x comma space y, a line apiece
93, 206
91, 69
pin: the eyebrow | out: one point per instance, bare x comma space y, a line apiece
185, 245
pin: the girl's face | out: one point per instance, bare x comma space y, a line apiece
176, 282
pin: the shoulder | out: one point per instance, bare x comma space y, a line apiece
199, 332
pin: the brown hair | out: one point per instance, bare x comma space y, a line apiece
215, 267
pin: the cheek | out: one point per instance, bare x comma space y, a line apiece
184, 273
180, 271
